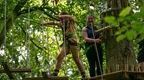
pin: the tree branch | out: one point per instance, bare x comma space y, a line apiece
19, 6
18, 11
32, 40
43, 9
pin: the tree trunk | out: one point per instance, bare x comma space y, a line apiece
119, 55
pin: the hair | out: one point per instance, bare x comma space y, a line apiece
70, 24
89, 17
63, 13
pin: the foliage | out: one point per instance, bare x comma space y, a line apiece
131, 24
29, 44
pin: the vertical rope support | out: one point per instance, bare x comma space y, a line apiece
12, 41
5, 25
64, 36
48, 57
47, 47
96, 49
27, 41
65, 25
95, 45
54, 29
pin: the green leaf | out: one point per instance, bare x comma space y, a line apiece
118, 33
125, 12
131, 34
137, 26
121, 30
110, 20
142, 30
120, 37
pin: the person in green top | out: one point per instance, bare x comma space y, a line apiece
70, 42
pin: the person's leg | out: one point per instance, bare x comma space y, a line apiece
90, 54
64, 51
75, 55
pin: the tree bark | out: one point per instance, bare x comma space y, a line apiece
119, 55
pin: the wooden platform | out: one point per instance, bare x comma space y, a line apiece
48, 78
6, 69
120, 75
17, 70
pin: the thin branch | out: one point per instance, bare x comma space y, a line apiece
43, 9
44, 2
19, 6
27, 10
32, 40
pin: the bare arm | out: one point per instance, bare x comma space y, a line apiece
51, 23
102, 29
90, 40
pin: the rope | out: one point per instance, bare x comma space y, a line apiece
65, 26
12, 43
64, 39
54, 29
48, 59
64, 32
27, 41
96, 49
5, 24
48, 72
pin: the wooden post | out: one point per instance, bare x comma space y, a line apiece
117, 67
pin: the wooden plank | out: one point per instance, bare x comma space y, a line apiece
108, 76
18, 70
48, 78
135, 75
121, 75
6, 68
